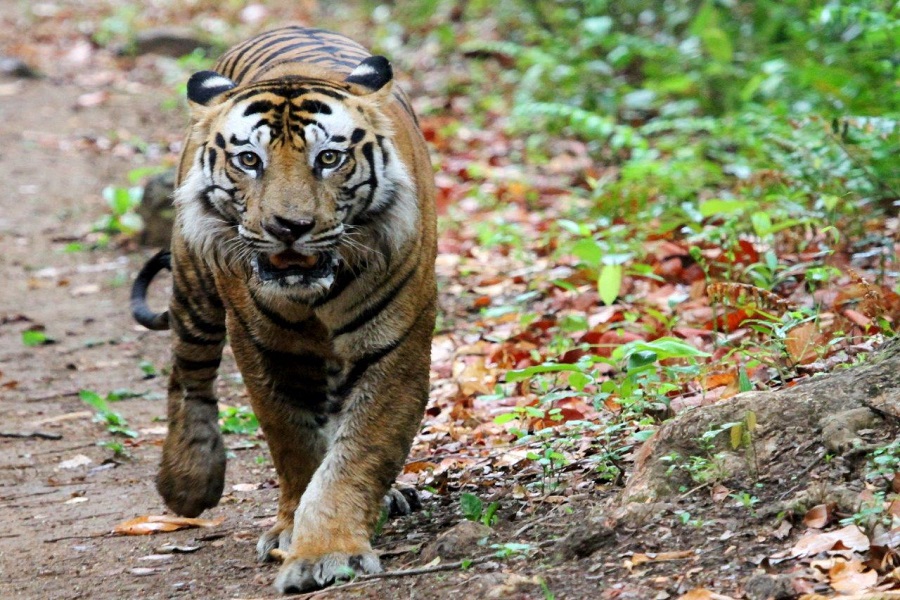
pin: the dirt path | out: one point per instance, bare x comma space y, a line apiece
51, 517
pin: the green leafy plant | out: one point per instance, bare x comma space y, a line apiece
685, 518
745, 499
114, 422
119, 27
198, 60
512, 549
473, 509
148, 369
884, 461
383, 518
35, 337
238, 420
708, 466
122, 218
871, 513
118, 448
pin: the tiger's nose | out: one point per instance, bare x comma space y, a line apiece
289, 230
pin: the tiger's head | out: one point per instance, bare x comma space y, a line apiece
293, 176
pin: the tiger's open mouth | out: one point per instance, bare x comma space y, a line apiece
292, 268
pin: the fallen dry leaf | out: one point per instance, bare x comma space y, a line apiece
783, 530
91, 99
417, 466
176, 549
473, 378
79, 460
156, 557
850, 577
801, 343
862, 596
639, 558
703, 594
84, 290
891, 538
817, 517
850, 537
245, 487
162, 524
720, 492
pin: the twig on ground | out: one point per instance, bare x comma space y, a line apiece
691, 491
52, 396
367, 579
64, 450
89, 536
28, 495
31, 434
528, 526
802, 473
426, 570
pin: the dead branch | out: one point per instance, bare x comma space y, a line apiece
30, 434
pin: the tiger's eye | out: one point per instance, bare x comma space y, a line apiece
328, 158
250, 160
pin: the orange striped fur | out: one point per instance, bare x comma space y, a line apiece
305, 231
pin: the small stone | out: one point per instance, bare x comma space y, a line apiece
156, 557
173, 549
165, 41
584, 541
157, 210
79, 460
10, 66
460, 541
763, 586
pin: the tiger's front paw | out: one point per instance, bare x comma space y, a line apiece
276, 538
401, 501
192, 473
304, 574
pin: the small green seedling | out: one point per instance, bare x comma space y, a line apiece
473, 509
115, 423
238, 420
34, 337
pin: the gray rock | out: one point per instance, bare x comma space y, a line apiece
584, 541
166, 41
460, 541
10, 66
157, 210
765, 587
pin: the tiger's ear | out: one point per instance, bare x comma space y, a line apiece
203, 87
374, 75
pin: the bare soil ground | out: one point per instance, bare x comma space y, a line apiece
60, 498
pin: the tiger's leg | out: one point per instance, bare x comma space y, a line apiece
192, 471
296, 461
297, 446
287, 389
384, 393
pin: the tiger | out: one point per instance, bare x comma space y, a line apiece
305, 233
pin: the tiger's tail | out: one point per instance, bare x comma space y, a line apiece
139, 309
